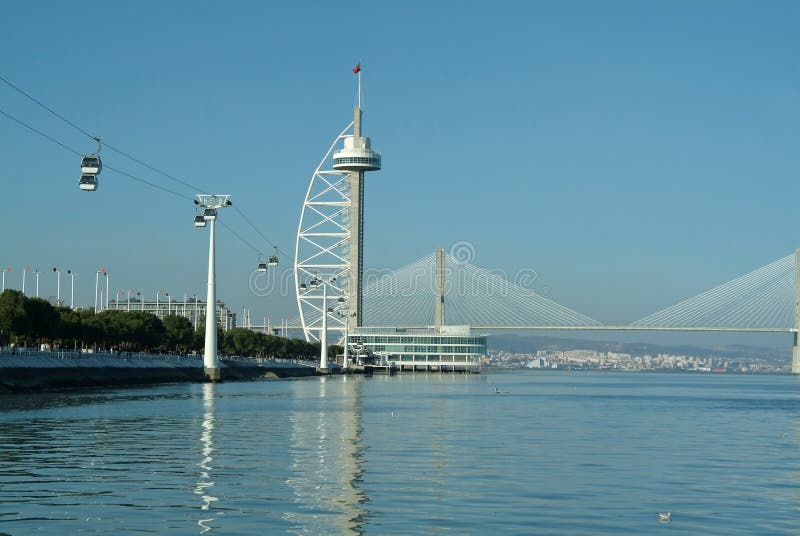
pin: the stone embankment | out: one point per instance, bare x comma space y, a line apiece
27, 370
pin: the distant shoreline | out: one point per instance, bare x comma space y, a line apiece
491, 368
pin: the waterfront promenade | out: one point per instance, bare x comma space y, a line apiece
27, 369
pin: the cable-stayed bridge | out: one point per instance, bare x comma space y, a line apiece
760, 301
763, 300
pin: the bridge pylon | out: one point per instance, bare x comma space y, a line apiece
795, 346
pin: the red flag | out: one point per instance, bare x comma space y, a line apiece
357, 68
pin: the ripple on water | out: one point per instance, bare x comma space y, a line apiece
561, 454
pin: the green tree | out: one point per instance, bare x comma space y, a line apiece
70, 327
177, 333
14, 319
42, 317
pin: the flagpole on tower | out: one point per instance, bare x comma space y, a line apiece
357, 70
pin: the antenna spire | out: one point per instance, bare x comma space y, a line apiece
357, 70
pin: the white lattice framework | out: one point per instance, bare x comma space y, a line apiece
323, 246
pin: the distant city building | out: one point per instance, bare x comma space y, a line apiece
194, 309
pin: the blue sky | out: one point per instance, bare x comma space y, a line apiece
633, 153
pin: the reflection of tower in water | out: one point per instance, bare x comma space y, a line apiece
326, 457
204, 483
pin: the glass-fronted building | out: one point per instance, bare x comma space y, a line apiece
452, 348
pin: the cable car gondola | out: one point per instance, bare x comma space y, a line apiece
91, 166
88, 182
199, 221
210, 214
262, 266
273, 259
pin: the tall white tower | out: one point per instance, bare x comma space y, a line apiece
330, 236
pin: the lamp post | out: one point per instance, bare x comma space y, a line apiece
131, 291
71, 275
107, 278
169, 304
346, 314
24, 273
157, 293
210, 204
58, 286
99, 306
4, 277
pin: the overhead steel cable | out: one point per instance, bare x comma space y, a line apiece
256, 229
40, 133
153, 185
121, 172
237, 235
86, 133
55, 113
155, 169
126, 155
75, 151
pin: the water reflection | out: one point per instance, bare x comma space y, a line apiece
327, 457
205, 484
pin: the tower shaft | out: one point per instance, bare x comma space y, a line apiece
356, 244
438, 313
796, 334
356, 232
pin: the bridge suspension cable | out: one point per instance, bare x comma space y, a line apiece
473, 296
763, 298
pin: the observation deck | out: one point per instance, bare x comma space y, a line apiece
356, 155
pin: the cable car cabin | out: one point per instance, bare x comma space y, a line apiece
88, 182
303, 286
199, 221
273, 260
262, 267
91, 165
210, 214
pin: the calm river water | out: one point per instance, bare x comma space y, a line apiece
553, 453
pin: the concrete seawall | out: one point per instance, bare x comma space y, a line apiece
30, 370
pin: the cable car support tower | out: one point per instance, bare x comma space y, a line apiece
330, 235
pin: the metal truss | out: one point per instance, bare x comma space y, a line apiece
323, 246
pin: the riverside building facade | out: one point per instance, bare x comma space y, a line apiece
193, 308
443, 349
